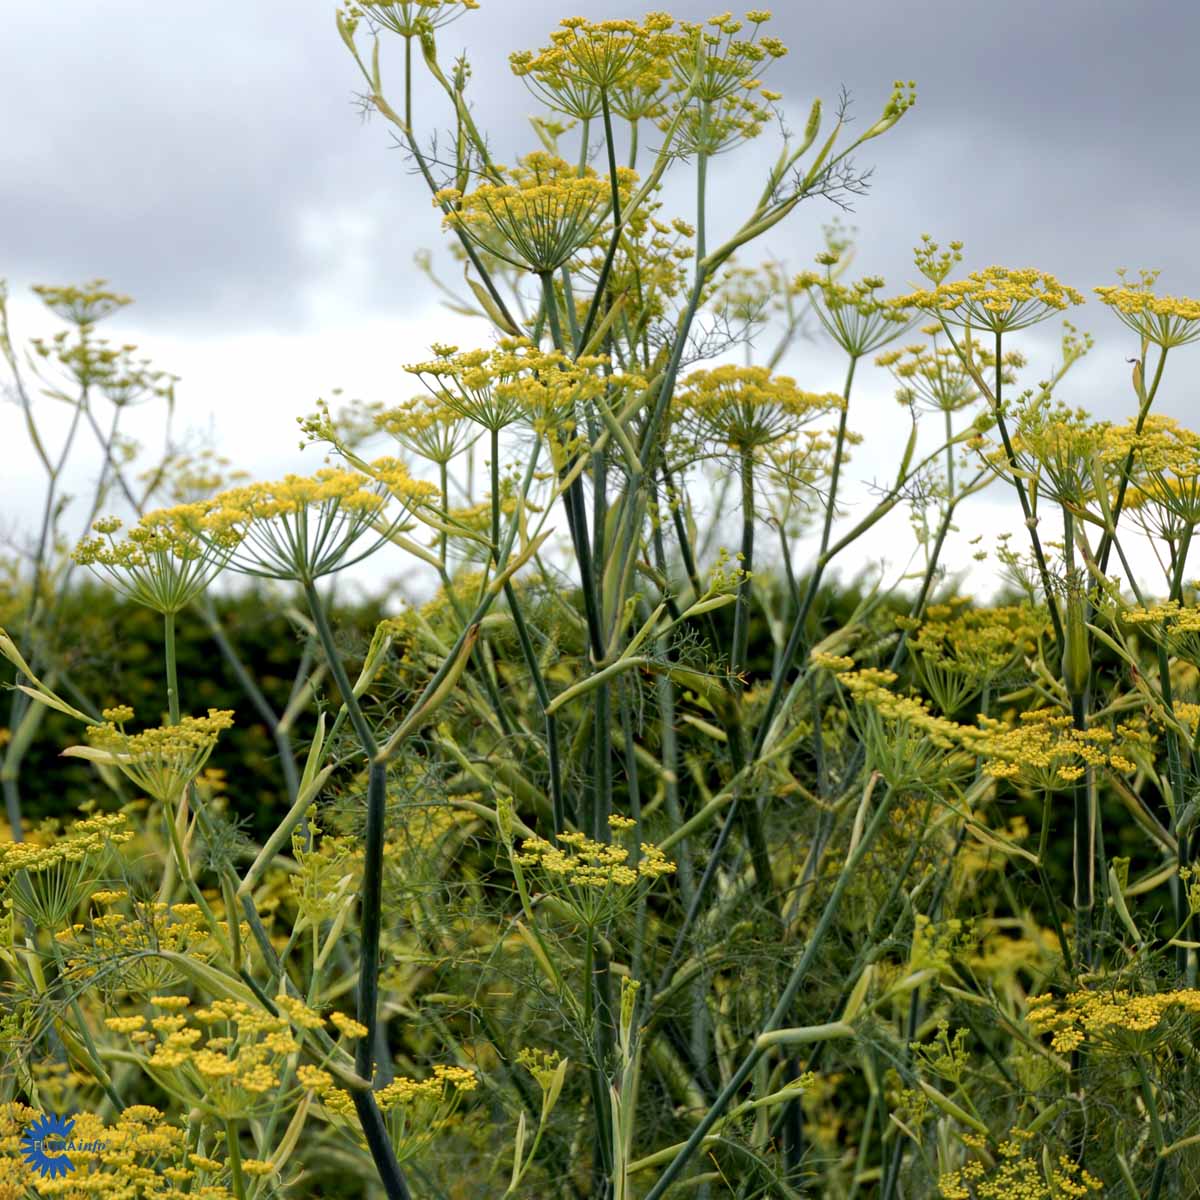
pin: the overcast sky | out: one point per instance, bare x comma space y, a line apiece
208, 159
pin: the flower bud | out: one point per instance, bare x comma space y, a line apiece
813, 126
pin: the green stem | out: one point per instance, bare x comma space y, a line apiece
1178, 786
172, 677
838, 455
701, 188
614, 241
233, 1150
1047, 890
443, 536
741, 616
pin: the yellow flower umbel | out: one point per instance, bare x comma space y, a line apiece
1175, 625
414, 1110
1164, 491
538, 215
81, 306
934, 377
958, 651
1018, 1173
998, 299
49, 876
1044, 749
161, 761
748, 408
909, 745
123, 949
1115, 1020
517, 381
587, 60
592, 878
857, 319
1063, 451
1164, 321
161, 562
228, 1059
302, 527
717, 79
141, 1154
427, 426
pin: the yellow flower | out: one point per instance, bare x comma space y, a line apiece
718, 98
587, 59
228, 1059
747, 408
1165, 321
348, 1026
161, 761
999, 299
304, 527
161, 562
935, 378
857, 319
82, 306
579, 861
50, 875
518, 381
428, 426
537, 215
413, 1109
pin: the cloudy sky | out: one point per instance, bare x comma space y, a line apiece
209, 160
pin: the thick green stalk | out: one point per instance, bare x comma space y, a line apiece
1178, 786
597, 1076
573, 502
233, 1151
1076, 669
172, 675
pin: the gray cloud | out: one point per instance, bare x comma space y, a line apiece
183, 152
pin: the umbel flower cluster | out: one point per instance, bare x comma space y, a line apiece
538, 216
144, 1154
580, 861
163, 761
1113, 1019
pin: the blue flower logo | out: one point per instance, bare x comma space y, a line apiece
43, 1158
